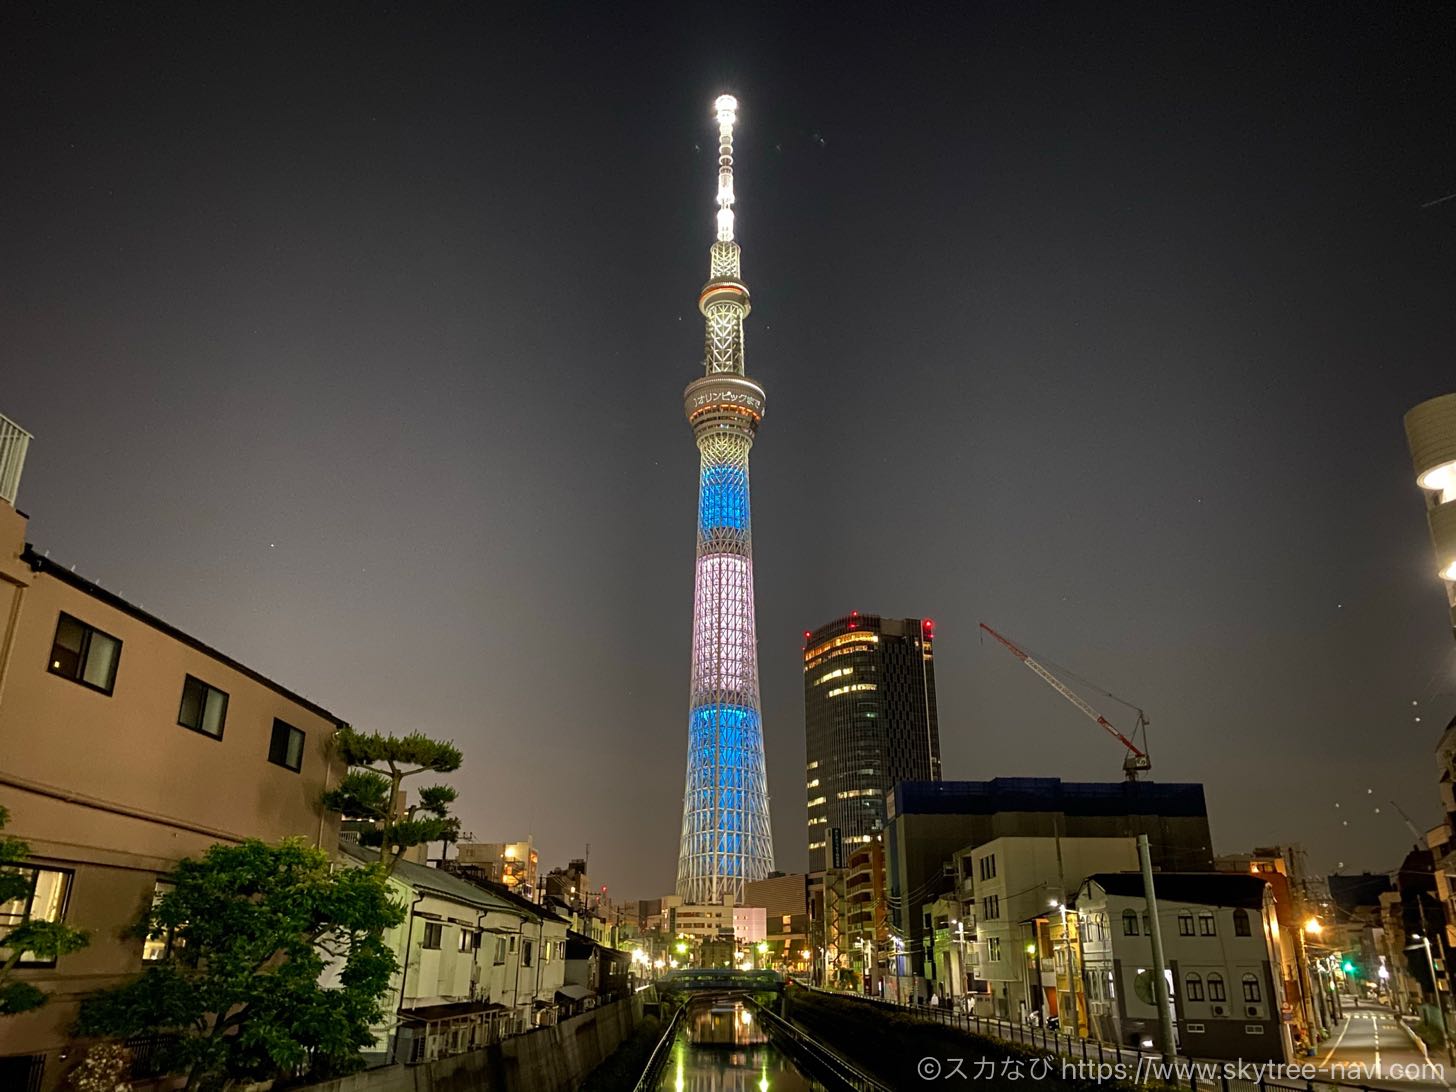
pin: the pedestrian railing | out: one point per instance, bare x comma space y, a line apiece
657, 1060
816, 1053
1095, 1059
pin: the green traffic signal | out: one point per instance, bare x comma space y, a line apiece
1349, 968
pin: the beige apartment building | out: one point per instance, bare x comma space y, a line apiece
126, 745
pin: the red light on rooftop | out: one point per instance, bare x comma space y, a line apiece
854, 614
929, 624
806, 635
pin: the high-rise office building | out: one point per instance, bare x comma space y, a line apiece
869, 722
726, 840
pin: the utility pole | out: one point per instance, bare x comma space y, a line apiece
1160, 975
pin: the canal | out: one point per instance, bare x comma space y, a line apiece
721, 1048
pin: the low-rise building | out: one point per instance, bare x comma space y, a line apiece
1009, 889
785, 902
127, 744
513, 864
700, 921
595, 973
1221, 946
474, 964
930, 821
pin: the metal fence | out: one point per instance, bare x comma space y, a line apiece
816, 1052
1094, 1059
657, 1060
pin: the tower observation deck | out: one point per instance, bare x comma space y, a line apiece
726, 838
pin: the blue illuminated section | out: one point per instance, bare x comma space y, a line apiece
722, 737
723, 497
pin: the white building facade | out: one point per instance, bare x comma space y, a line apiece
1221, 944
474, 966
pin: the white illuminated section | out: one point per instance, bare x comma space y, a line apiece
723, 645
1449, 572
727, 107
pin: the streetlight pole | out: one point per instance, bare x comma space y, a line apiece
1160, 976
1440, 997
1312, 1001
1073, 974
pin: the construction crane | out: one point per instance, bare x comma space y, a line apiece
1136, 760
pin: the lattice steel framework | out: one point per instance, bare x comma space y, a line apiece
726, 840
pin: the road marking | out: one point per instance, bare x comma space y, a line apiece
1379, 1073
1336, 1047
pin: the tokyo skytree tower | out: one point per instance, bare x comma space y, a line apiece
726, 840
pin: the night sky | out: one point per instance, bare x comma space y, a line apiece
353, 339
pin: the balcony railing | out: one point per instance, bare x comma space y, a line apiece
13, 442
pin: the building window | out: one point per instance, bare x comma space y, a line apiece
1185, 923
1193, 988
1241, 922
526, 953
1251, 988
434, 935
204, 708
988, 867
469, 940
158, 945
1215, 987
991, 907
1129, 923
1205, 925
286, 747
84, 654
993, 949
500, 951
50, 889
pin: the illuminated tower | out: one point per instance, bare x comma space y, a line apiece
726, 839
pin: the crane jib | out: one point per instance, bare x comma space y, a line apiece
1139, 757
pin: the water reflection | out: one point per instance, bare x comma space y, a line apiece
722, 1049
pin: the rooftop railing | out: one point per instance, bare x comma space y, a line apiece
13, 442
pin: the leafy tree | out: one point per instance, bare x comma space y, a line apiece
239, 997
42, 939
378, 765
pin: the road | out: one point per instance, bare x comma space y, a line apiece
1371, 1047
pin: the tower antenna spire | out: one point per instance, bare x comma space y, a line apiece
727, 107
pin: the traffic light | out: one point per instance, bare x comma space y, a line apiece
1348, 967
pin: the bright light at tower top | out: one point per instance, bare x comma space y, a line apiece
727, 108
